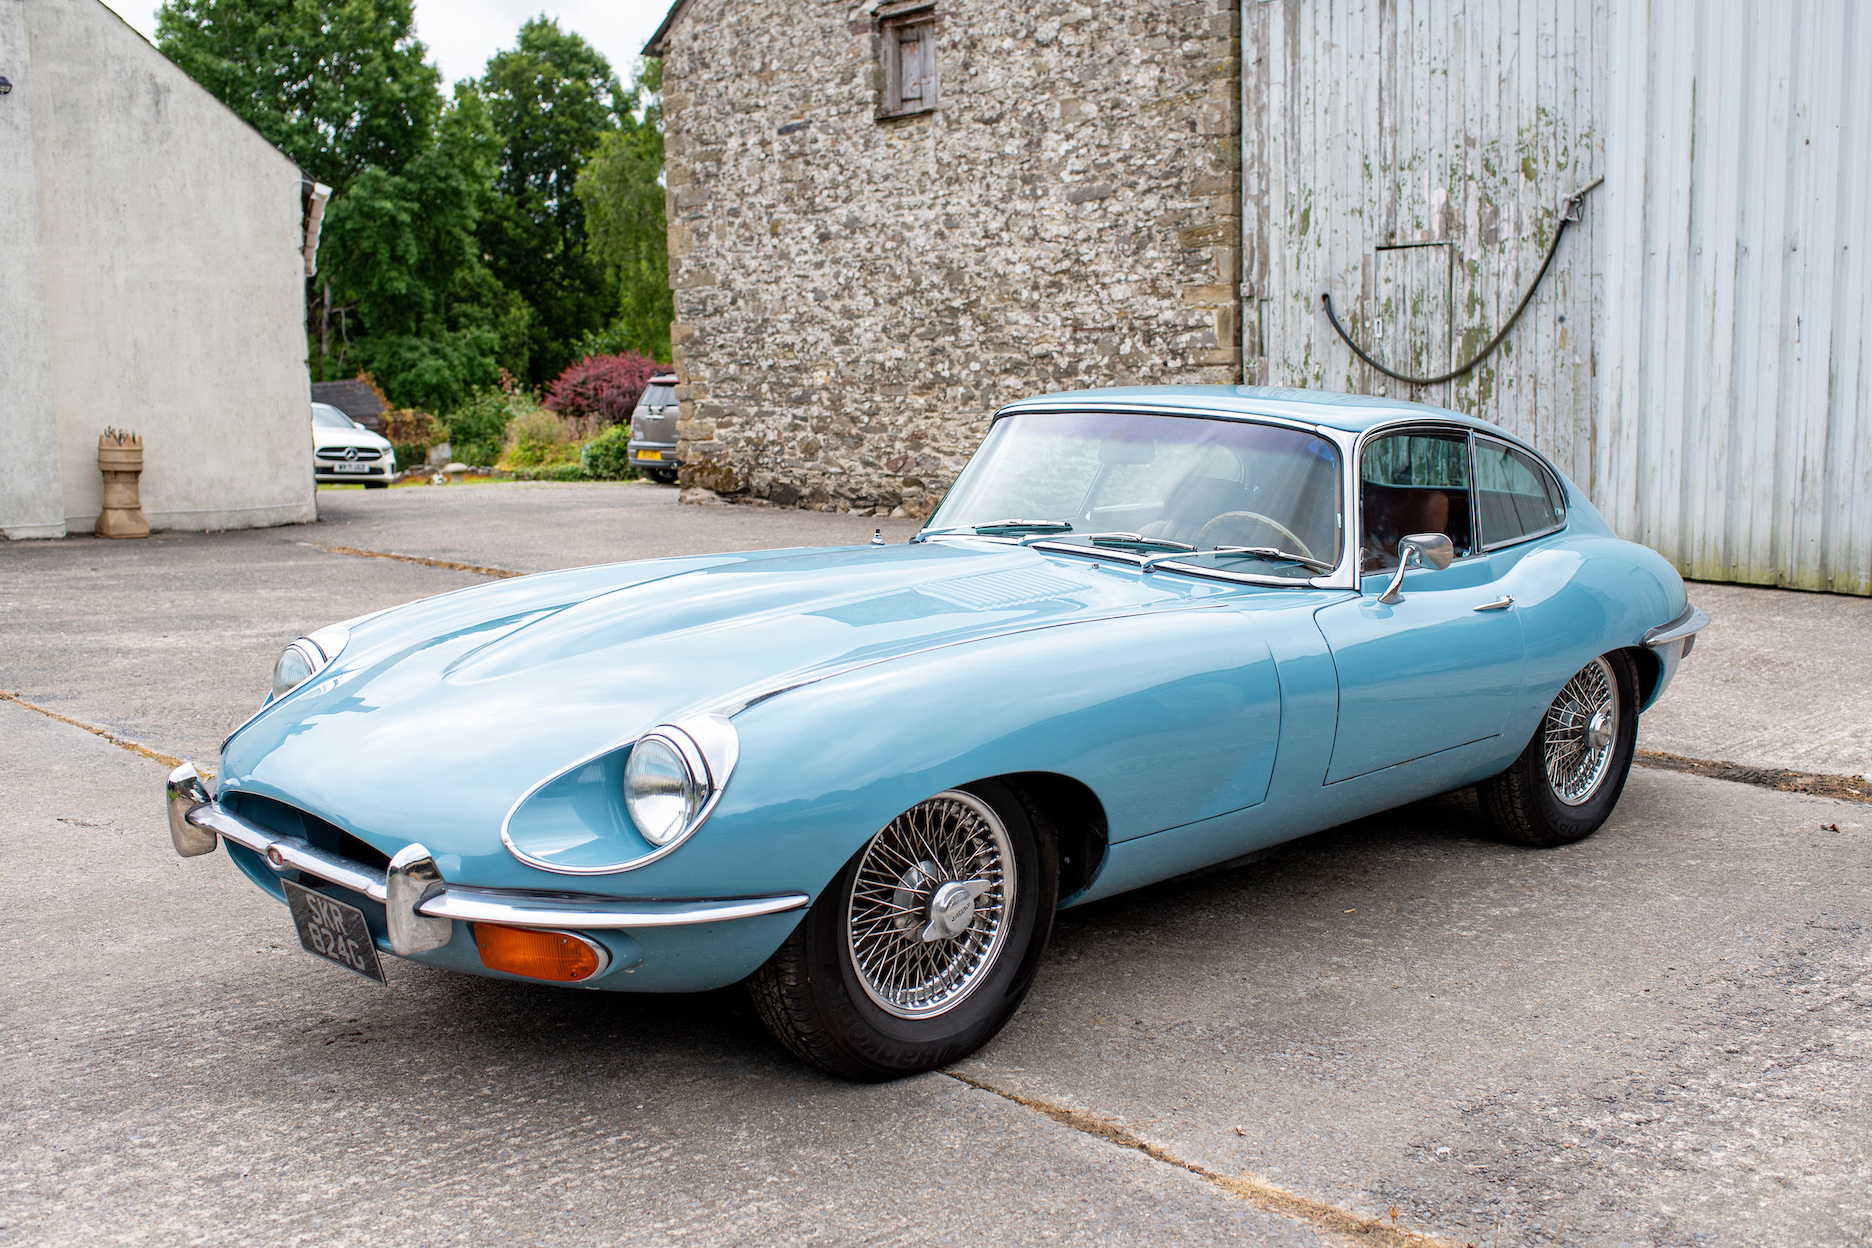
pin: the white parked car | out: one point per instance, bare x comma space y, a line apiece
345, 452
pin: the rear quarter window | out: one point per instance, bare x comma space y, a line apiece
1516, 497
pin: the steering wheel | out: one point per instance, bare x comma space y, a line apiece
1299, 546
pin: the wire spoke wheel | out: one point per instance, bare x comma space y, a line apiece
1579, 732
930, 905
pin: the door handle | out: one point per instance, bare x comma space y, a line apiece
1500, 604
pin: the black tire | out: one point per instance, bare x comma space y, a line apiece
376, 485
666, 476
811, 995
1527, 806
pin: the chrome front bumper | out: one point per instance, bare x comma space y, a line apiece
419, 905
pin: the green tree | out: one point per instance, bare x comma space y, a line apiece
622, 190
404, 272
338, 85
552, 99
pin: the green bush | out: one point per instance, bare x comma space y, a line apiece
607, 456
478, 428
536, 438
552, 472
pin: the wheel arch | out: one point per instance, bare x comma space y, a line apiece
1077, 818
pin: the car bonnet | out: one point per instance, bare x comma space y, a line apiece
443, 712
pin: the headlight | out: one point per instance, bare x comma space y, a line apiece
675, 774
661, 790
306, 658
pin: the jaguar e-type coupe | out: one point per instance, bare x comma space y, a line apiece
1147, 632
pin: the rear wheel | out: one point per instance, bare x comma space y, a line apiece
1565, 784
665, 475
923, 946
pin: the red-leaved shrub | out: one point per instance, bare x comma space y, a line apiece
602, 390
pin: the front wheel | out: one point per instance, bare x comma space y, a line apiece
1565, 784
924, 945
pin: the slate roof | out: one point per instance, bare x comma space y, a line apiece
354, 398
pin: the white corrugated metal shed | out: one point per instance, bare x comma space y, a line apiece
1695, 357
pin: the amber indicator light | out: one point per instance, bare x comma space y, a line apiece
537, 955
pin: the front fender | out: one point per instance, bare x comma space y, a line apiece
1168, 717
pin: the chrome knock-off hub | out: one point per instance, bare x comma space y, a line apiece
952, 909
1599, 731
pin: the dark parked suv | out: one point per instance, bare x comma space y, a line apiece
653, 430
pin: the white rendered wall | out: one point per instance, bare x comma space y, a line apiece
31, 501
173, 276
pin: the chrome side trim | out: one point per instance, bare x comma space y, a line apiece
559, 910
1693, 621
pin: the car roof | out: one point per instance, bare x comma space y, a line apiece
1354, 413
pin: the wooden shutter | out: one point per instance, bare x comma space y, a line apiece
910, 63
909, 52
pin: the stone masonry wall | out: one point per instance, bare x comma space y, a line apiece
855, 297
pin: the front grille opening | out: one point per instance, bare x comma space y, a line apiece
291, 821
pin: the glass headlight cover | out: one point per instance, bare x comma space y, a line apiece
306, 658
661, 789
293, 668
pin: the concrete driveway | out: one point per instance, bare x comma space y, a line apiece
1656, 1037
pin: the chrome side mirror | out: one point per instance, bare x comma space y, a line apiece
1432, 549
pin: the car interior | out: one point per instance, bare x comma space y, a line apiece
1413, 483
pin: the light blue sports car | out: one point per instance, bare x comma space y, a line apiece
1148, 631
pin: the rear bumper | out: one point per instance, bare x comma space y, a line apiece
420, 907
1671, 643
665, 454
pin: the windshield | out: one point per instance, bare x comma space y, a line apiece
325, 416
1172, 482
659, 395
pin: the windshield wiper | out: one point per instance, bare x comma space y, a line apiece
1273, 554
999, 528
1137, 541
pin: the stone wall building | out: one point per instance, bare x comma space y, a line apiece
886, 220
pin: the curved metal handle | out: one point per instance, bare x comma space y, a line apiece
1500, 604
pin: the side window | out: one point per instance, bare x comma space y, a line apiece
907, 44
1413, 483
1515, 496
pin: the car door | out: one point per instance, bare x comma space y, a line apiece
1441, 668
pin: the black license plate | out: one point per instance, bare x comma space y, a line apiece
333, 930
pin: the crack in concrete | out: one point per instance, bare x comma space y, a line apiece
1342, 1225
450, 564
122, 743
1812, 783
